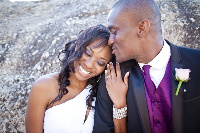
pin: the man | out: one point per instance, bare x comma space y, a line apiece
137, 42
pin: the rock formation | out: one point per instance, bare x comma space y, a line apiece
33, 33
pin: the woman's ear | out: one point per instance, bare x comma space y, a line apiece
143, 27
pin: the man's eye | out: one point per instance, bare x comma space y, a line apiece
114, 33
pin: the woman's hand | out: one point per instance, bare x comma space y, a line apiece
116, 87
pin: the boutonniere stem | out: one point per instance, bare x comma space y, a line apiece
178, 88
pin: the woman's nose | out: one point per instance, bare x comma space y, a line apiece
111, 40
90, 63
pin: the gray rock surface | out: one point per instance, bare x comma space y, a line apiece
33, 33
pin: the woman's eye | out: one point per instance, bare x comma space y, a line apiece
101, 63
87, 53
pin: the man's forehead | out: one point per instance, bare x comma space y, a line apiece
112, 17
116, 17
113, 13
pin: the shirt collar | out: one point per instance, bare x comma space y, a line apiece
161, 60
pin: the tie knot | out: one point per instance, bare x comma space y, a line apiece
146, 69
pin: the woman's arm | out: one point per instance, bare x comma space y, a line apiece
37, 103
120, 125
117, 90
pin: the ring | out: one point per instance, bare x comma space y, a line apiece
107, 77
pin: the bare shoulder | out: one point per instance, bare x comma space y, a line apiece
43, 89
47, 80
46, 85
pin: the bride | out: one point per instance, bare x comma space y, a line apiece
65, 101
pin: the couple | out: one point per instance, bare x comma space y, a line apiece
69, 101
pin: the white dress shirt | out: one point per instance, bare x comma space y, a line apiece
159, 64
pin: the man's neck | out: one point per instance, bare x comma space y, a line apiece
151, 50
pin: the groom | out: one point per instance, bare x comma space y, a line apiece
137, 42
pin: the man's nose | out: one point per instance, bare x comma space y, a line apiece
111, 40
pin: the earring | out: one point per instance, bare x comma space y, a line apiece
99, 78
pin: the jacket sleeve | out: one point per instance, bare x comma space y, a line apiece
103, 119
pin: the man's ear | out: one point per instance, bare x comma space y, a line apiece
143, 27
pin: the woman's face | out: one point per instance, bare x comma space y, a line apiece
93, 61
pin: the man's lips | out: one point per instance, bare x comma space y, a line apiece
113, 50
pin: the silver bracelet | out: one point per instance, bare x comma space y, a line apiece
119, 113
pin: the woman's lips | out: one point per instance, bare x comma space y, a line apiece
83, 71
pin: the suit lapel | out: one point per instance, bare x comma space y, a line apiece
137, 86
177, 101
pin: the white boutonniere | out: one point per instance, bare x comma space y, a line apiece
182, 75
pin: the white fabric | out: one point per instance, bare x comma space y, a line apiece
69, 117
159, 64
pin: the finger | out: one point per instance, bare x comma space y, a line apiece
106, 75
107, 72
112, 70
118, 70
126, 78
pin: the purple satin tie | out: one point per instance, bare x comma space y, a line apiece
150, 86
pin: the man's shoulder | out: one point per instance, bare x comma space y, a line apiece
172, 46
190, 49
184, 50
189, 52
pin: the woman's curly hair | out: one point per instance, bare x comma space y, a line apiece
73, 51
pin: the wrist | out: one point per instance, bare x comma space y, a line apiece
119, 113
119, 105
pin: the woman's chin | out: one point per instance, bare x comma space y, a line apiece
81, 77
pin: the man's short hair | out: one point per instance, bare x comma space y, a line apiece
141, 9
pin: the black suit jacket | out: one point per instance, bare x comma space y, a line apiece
185, 106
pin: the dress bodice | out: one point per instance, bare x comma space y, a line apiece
69, 117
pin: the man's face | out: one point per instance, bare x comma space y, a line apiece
123, 37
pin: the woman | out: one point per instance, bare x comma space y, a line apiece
64, 101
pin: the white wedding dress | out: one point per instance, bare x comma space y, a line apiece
69, 117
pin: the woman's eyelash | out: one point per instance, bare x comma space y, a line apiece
87, 53
101, 64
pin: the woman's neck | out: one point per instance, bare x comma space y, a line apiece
76, 83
